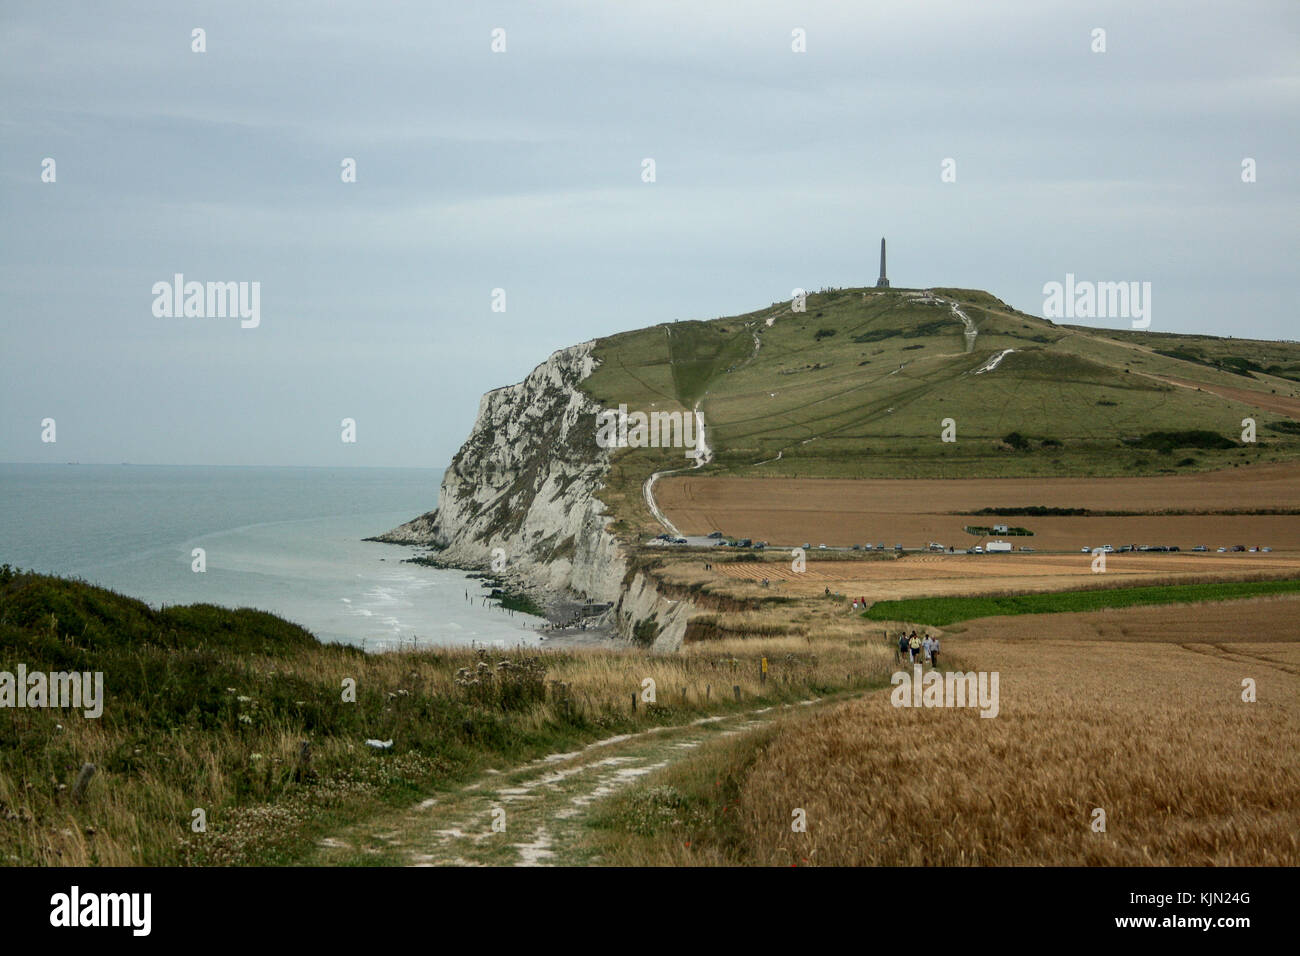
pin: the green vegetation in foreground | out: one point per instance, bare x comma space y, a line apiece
938, 612
207, 707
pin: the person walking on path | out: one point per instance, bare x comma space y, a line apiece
934, 651
914, 646
902, 646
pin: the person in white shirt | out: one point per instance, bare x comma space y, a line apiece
934, 652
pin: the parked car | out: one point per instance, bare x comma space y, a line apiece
1253, 550
1107, 549
745, 543
1026, 549
1085, 550
978, 549
1238, 547
857, 547
806, 545
1221, 550
1266, 549
1125, 548
679, 540
1174, 547
715, 534
1200, 547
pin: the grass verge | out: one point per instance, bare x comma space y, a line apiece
940, 611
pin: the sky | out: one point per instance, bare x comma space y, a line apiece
523, 169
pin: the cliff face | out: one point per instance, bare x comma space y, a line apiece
526, 481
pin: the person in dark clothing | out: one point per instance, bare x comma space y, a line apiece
902, 646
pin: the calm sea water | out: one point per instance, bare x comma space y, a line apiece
286, 540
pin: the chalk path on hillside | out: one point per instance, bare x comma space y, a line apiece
704, 454
545, 803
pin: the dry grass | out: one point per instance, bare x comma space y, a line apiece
1156, 735
137, 808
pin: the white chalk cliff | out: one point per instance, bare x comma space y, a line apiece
527, 481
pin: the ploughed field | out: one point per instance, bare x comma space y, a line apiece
921, 575
914, 512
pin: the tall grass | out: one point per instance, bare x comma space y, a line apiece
208, 709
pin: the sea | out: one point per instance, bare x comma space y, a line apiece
284, 540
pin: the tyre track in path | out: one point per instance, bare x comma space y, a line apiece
542, 805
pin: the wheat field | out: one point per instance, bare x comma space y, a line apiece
1155, 735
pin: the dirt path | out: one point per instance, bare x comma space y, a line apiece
542, 805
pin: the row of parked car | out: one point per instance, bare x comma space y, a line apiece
1172, 547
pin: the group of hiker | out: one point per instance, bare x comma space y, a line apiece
924, 650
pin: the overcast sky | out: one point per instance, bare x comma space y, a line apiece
522, 170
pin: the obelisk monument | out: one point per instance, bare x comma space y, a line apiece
882, 282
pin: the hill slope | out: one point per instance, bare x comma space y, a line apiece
859, 385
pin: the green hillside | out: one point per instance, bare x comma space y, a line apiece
859, 384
